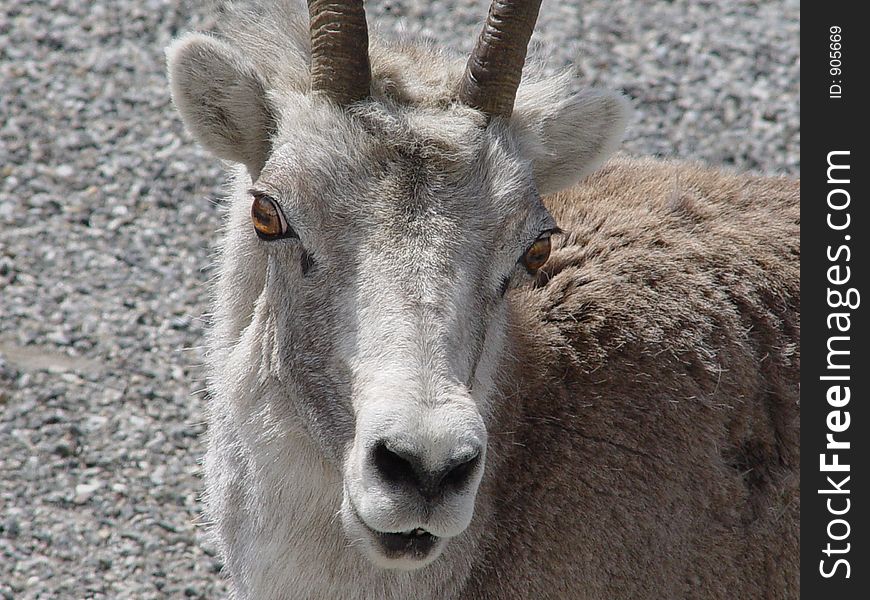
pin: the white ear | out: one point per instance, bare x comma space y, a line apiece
222, 100
568, 133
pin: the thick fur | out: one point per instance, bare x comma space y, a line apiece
637, 398
654, 401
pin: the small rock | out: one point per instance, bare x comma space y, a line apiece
65, 171
85, 491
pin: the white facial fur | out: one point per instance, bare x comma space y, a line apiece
394, 314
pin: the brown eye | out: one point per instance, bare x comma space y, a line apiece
537, 254
268, 221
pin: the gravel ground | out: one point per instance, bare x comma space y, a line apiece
108, 214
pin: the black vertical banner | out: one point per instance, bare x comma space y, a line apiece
835, 369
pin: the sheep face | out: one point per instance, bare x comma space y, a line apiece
379, 313
361, 300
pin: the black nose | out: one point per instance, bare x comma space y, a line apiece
401, 466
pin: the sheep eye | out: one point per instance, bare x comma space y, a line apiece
537, 254
268, 220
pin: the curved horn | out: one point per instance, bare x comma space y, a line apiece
495, 66
339, 50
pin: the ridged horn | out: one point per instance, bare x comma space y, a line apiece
495, 66
340, 50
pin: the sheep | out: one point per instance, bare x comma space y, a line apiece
461, 349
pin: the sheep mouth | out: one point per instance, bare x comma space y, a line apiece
412, 548
414, 544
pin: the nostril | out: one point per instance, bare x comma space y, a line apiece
396, 464
394, 467
460, 471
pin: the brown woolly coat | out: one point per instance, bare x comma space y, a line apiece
656, 454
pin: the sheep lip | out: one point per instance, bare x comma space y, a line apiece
417, 543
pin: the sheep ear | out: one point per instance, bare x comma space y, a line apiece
222, 100
568, 134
